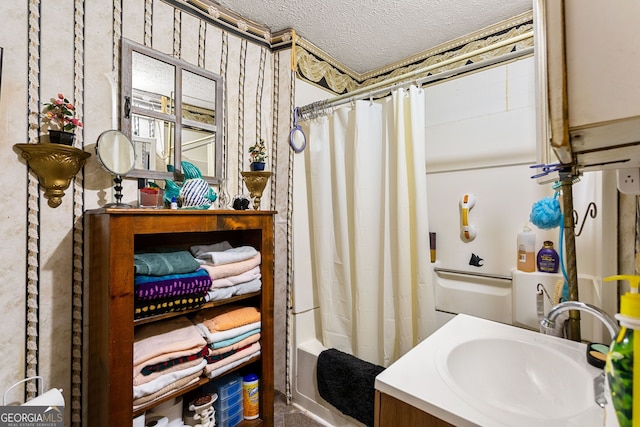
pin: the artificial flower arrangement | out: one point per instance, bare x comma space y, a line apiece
258, 154
59, 114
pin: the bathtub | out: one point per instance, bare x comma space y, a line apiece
305, 394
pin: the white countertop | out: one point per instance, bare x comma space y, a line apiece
419, 379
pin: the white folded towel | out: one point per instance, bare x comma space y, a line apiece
217, 372
239, 289
245, 277
164, 380
222, 253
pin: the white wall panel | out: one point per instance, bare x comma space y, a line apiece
162, 28
189, 38
485, 119
133, 20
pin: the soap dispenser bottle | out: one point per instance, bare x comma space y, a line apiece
622, 367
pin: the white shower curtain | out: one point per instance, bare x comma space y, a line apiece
367, 195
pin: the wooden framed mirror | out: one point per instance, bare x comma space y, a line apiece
172, 112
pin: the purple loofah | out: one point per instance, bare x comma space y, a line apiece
546, 213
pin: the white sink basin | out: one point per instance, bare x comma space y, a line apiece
475, 372
521, 378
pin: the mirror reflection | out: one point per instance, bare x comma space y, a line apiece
115, 152
153, 141
153, 82
198, 122
170, 109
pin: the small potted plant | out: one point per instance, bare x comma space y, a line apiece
59, 115
257, 155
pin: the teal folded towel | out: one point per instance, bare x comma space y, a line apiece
163, 263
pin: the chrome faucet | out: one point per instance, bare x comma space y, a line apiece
548, 324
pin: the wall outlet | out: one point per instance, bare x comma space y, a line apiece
629, 180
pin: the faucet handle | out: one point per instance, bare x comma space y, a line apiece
598, 390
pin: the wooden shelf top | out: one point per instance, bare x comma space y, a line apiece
164, 211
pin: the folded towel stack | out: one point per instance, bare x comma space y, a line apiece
168, 281
167, 356
232, 334
234, 271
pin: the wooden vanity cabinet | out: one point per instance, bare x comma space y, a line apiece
391, 412
114, 235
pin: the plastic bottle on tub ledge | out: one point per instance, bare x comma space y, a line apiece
548, 259
526, 250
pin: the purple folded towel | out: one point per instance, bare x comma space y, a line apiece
155, 287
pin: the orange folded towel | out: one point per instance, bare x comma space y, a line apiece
227, 317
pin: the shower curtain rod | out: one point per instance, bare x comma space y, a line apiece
318, 108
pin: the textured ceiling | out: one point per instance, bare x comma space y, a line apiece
368, 34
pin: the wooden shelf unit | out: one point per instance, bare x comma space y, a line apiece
114, 235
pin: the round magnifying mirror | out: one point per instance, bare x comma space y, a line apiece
297, 139
116, 154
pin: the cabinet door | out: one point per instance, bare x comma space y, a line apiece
603, 60
588, 54
552, 119
391, 412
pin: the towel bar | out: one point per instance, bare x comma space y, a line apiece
470, 273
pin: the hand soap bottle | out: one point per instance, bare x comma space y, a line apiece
622, 367
526, 248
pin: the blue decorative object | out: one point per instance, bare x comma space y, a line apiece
195, 193
546, 213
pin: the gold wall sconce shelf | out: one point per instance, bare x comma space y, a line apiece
55, 165
256, 182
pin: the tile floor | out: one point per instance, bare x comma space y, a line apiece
289, 415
